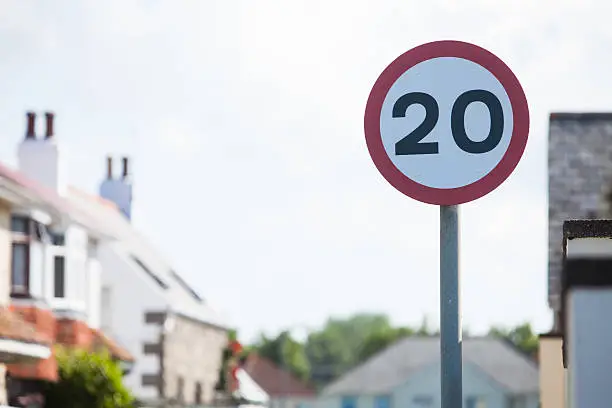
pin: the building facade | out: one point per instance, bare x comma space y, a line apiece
55, 276
19, 341
175, 335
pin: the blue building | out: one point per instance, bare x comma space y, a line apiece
407, 375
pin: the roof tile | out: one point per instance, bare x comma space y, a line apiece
14, 328
274, 380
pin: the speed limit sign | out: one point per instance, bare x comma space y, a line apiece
446, 123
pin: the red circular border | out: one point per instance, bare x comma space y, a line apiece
479, 188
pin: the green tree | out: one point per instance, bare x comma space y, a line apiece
522, 336
87, 380
338, 346
285, 352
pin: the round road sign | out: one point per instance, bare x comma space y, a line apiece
446, 123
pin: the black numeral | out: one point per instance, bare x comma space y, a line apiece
411, 144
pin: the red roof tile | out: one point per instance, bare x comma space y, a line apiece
15, 328
274, 380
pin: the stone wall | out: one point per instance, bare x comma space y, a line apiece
191, 355
579, 179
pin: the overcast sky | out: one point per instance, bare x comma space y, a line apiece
244, 120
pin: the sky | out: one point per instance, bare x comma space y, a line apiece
244, 122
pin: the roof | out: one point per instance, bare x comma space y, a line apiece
13, 327
145, 259
581, 116
394, 366
274, 380
52, 200
579, 180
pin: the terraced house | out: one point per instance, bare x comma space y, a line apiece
128, 290
54, 280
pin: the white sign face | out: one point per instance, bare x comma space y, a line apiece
446, 123
450, 167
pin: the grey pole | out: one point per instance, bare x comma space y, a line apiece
451, 381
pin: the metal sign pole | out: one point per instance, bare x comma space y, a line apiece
451, 379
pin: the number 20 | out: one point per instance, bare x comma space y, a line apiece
410, 144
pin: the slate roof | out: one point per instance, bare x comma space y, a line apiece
395, 365
145, 259
274, 380
579, 180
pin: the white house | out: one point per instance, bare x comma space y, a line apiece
175, 335
55, 277
97, 268
123, 285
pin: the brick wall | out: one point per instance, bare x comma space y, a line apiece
579, 178
192, 353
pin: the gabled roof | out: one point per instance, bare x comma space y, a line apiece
146, 260
274, 380
394, 366
52, 200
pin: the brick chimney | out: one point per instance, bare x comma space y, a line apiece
49, 119
31, 125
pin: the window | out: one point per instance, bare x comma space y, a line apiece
349, 402
198, 393
475, 402
149, 272
105, 306
180, 385
20, 224
382, 401
58, 239
23, 232
20, 269
518, 402
59, 276
423, 401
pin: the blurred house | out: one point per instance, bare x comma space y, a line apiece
579, 187
407, 375
20, 342
122, 285
283, 388
54, 270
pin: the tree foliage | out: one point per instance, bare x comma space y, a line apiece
285, 352
522, 336
341, 344
87, 380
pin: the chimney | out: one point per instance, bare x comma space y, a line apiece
31, 125
118, 190
125, 172
39, 158
109, 168
49, 133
